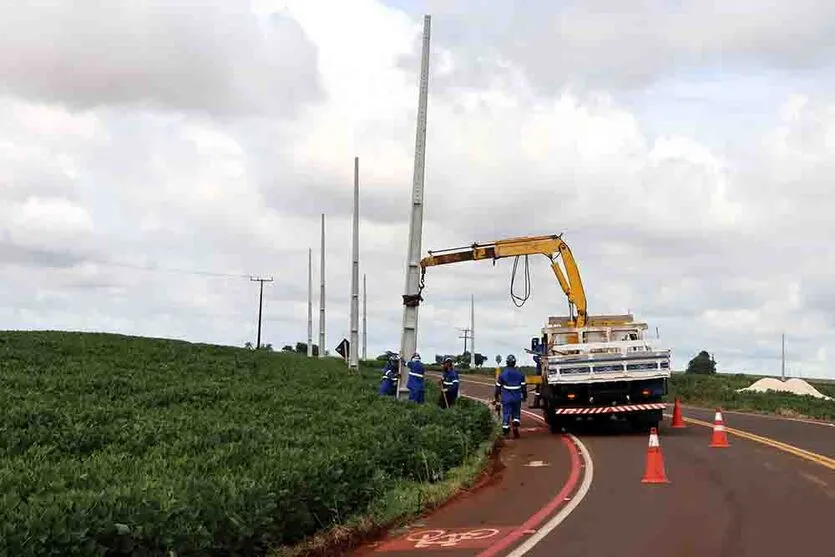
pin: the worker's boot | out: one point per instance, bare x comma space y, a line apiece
516, 430
506, 430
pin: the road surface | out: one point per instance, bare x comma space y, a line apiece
752, 499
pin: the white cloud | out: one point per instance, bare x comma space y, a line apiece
198, 169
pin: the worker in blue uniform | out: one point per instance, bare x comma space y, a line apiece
415, 383
511, 386
449, 384
391, 375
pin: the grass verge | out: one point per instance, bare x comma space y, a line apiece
406, 501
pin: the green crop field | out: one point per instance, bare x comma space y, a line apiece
720, 390
117, 445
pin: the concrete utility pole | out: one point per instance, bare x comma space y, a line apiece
309, 302
353, 349
472, 332
783, 365
408, 339
322, 294
260, 305
364, 319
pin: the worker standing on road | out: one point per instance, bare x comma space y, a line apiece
449, 385
511, 386
415, 384
391, 375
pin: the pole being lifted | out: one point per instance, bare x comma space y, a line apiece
322, 294
353, 348
309, 302
408, 339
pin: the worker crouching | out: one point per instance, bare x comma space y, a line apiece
510, 385
449, 385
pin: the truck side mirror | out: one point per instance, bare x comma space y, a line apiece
534, 344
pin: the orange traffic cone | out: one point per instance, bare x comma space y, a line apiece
654, 472
678, 420
720, 438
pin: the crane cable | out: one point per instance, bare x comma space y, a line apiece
527, 294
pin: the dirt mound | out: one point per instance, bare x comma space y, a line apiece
793, 386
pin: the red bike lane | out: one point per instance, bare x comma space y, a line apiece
539, 473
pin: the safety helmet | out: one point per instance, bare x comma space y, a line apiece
416, 356
447, 360
511, 360
394, 357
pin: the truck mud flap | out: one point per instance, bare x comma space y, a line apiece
611, 409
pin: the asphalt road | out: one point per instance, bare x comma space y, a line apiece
751, 499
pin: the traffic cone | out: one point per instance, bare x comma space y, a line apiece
654, 472
719, 438
678, 420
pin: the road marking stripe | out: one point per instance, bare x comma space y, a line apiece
765, 416
557, 519
583, 460
797, 451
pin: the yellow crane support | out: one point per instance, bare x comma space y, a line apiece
551, 246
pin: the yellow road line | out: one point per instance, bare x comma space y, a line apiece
797, 451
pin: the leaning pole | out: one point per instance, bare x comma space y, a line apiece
408, 339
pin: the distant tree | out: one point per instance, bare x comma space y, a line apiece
702, 364
498, 360
301, 348
248, 345
267, 347
439, 358
479, 359
287, 348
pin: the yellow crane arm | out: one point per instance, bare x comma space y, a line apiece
551, 246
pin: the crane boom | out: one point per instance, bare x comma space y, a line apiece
551, 246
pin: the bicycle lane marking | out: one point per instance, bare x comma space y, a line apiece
576, 448
445, 538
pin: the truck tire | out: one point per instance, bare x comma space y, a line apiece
644, 421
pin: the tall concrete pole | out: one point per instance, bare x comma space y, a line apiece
783, 365
353, 349
472, 332
309, 302
322, 294
408, 339
364, 319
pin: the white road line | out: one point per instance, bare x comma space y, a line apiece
557, 519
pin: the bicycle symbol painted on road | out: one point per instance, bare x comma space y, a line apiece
446, 538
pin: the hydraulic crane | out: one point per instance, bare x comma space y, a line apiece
551, 246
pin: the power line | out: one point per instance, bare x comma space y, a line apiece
138, 267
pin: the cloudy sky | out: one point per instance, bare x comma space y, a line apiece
155, 153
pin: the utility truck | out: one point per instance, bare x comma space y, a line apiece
590, 367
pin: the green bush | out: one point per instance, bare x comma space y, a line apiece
112, 445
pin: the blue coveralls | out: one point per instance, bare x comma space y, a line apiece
391, 375
415, 384
450, 387
511, 386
